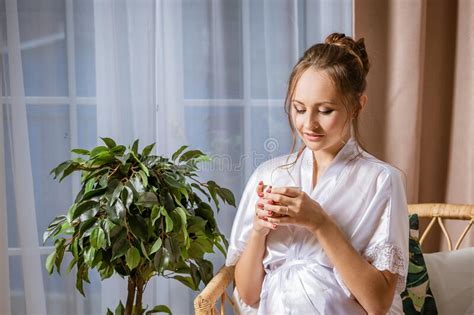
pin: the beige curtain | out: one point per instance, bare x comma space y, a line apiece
420, 113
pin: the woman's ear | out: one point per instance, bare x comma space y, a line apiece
362, 102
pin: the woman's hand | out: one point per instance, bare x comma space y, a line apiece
261, 226
293, 206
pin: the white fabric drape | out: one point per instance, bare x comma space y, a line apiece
210, 74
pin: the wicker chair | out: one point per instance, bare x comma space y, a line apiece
205, 302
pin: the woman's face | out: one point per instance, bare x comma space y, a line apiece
317, 113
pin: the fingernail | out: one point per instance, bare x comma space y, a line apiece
265, 219
270, 212
260, 182
269, 189
260, 194
274, 226
260, 205
270, 202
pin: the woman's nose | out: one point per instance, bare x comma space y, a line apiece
311, 123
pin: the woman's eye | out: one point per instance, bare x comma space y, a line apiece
326, 112
299, 111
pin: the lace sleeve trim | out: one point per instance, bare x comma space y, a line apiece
389, 257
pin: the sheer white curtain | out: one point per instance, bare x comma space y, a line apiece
210, 74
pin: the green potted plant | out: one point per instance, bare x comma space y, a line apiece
138, 215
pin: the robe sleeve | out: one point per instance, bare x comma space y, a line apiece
243, 221
387, 248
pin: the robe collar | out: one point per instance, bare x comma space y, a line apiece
332, 172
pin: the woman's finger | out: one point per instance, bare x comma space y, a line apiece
278, 198
278, 209
267, 224
287, 191
260, 203
285, 220
263, 214
260, 188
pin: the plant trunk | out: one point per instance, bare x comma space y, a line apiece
130, 296
138, 301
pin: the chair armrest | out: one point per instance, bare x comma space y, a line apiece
206, 300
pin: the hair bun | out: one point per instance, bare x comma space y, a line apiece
335, 38
357, 48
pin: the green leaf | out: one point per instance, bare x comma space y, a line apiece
83, 207
155, 214
93, 193
69, 169
103, 158
118, 150
86, 225
156, 246
187, 281
60, 168
50, 261
97, 150
135, 147
101, 173
195, 275
220, 248
147, 149
161, 259
205, 269
89, 185
178, 152
98, 258
132, 258
80, 151
120, 244
109, 312
106, 272
117, 190
97, 238
137, 184
201, 190
59, 246
120, 209
89, 255
159, 309
144, 251
182, 215
138, 227
71, 265
74, 248
168, 223
226, 195
211, 186
127, 194
143, 177
54, 227
147, 199
170, 180
79, 277
191, 154
109, 142
120, 310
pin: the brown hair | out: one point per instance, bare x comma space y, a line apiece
346, 63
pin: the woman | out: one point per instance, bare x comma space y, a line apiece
338, 243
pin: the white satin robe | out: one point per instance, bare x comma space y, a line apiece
367, 200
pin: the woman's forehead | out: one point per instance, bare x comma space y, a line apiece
314, 86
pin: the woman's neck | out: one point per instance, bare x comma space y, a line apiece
322, 158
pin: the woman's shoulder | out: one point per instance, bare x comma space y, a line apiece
369, 164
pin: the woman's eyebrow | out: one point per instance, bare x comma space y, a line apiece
317, 103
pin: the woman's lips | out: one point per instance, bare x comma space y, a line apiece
313, 136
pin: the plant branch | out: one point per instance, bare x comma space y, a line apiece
130, 296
